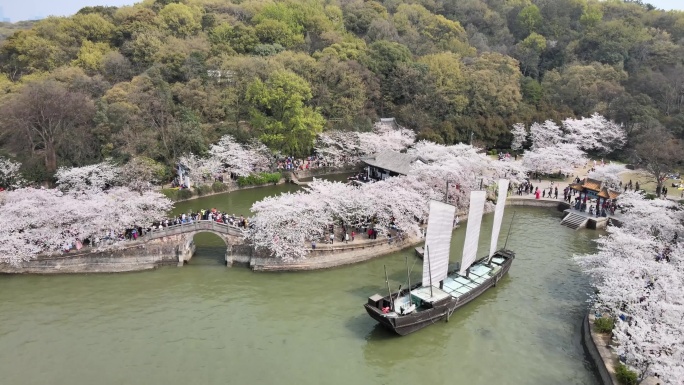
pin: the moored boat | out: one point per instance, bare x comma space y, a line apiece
441, 292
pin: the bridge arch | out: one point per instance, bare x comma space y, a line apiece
185, 234
190, 244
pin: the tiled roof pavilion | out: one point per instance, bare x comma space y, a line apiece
392, 161
595, 186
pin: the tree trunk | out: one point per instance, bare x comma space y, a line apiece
50, 157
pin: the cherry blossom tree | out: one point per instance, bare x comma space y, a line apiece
10, 178
346, 147
42, 221
339, 147
638, 272
241, 159
610, 173
284, 225
141, 174
560, 158
385, 137
595, 133
96, 177
545, 134
200, 169
519, 136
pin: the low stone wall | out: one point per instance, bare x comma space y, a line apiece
595, 345
326, 257
140, 256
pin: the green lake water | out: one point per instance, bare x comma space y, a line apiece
208, 324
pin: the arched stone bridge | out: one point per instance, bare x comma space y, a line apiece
182, 236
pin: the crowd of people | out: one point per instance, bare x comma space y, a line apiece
203, 215
292, 164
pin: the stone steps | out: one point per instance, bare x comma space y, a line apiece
574, 221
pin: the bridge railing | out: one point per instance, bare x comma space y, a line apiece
223, 228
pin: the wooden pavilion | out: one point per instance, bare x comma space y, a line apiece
594, 189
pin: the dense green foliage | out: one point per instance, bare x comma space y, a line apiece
177, 194
219, 187
168, 77
259, 179
604, 324
626, 376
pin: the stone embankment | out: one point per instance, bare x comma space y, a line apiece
597, 346
329, 256
137, 256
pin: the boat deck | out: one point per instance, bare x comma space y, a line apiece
457, 285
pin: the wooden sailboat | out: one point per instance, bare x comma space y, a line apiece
442, 292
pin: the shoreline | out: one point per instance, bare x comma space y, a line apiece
284, 179
597, 347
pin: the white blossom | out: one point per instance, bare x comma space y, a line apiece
241, 159
609, 173
200, 169
285, 225
558, 158
42, 221
346, 147
10, 177
595, 133
638, 272
546, 134
519, 136
95, 177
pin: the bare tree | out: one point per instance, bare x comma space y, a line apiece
658, 152
46, 116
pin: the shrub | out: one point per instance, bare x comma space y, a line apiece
604, 325
170, 193
219, 187
176, 194
259, 179
203, 189
184, 194
650, 196
625, 376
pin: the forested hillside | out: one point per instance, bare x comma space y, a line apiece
164, 78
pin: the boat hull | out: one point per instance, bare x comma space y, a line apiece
406, 324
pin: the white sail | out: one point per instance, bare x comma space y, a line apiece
477, 200
498, 215
438, 242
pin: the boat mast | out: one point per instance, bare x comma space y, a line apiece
408, 276
509, 230
388, 288
427, 254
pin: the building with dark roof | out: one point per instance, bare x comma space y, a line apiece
389, 163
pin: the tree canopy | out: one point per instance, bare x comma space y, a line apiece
160, 79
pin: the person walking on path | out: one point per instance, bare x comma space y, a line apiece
332, 238
346, 237
555, 193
